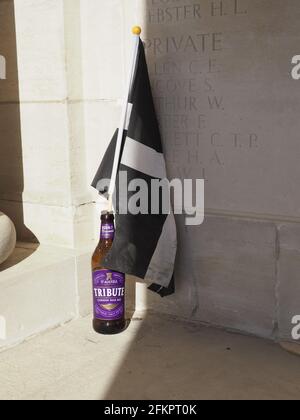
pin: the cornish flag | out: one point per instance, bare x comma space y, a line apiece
145, 245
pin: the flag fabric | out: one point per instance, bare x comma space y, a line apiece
145, 245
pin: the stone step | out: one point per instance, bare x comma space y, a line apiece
45, 286
40, 289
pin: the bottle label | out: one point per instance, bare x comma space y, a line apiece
109, 295
107, 231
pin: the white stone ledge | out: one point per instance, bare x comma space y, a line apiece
38, 291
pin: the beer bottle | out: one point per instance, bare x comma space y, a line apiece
108, 286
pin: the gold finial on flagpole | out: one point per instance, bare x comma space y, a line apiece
136, 30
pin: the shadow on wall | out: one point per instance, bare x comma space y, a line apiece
11, 157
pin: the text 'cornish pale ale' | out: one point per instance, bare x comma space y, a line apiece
108, 285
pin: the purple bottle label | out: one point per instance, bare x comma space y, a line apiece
109, 295
107, 231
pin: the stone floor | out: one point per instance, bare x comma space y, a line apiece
155, 358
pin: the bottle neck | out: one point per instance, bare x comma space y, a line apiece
107, 232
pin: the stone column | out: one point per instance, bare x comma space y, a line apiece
44, 185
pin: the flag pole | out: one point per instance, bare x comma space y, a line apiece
136, 31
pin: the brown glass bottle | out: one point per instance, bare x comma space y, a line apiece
108, 286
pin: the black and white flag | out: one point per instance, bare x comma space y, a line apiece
145, 244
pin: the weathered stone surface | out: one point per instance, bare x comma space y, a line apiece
226, 100
226, 275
